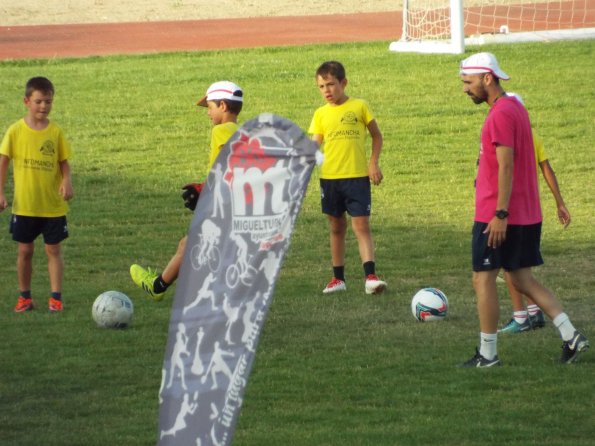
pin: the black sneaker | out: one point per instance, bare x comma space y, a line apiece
571, 349
481, 362
537, 320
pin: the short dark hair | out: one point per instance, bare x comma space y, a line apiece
494, 77
333, 68
39, 83
234, 107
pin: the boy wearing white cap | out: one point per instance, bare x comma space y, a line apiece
507, 222
223, 101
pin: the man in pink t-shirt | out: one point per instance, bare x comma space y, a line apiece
505, 114
507, 227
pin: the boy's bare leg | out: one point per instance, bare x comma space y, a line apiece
519, 322
531, 312
361, 229
516, 298
157, 284
55, 267
171, 271
25, 265
338, 230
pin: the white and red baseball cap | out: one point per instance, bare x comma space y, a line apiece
222, 90
483, 63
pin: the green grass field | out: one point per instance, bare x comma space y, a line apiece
330, 370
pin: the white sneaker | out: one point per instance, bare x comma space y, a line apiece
334, 285
374, 285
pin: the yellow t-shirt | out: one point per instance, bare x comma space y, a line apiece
219, 136
36, 157
540, 155
344, 130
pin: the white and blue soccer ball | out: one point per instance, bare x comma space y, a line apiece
429, 304
112, 309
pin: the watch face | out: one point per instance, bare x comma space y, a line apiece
502, 214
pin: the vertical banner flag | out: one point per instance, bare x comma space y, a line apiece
236, 244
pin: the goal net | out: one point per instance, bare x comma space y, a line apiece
446, 26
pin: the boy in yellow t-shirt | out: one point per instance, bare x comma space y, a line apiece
42, 186
342, 125
532, 317
224, 102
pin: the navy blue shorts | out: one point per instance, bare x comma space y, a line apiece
351, 195
27, 229
519, 250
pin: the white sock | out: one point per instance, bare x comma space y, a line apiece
533, 309
488, 345
520, 316
562, 322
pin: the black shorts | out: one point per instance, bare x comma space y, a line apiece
351, 194
27, 229
519, 250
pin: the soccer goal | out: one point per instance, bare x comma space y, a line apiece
446, 26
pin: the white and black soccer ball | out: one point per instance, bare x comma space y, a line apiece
429, 304
112, 309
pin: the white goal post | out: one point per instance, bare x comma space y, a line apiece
431, 28
447, 26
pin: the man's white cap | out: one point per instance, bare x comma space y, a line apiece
483, 63
222, 90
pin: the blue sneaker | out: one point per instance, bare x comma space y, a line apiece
514, 327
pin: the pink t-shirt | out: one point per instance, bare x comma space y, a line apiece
508, 124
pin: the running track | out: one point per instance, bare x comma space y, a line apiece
59, 41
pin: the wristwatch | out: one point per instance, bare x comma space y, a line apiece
501, 214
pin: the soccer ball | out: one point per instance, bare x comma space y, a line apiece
429, 304
112, 309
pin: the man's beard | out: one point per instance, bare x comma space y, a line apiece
477, 99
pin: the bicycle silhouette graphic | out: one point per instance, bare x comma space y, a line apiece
206, 252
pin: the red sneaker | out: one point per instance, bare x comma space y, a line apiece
335, 285
23, 304
54, 305
374, 285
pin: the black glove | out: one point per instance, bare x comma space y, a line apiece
191, 194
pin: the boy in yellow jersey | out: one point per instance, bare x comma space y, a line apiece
342, 125
42, 186
532, 317
224, 102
